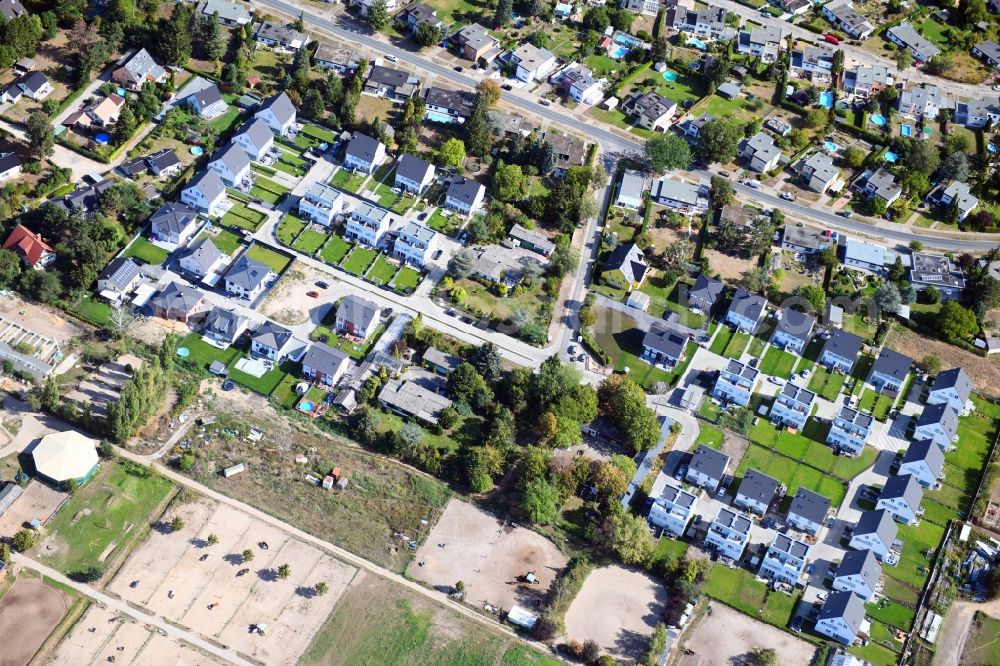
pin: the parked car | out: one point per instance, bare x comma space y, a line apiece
459, 68
312, 294
844, 213
544, 102
788, 196
391, 58
322, 284
724, 174
831, 39
776, 380
507, 86
437, 254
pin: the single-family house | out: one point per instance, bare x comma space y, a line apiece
906, 36
420, 13
391, 83
30, 247
177, 302
901, 497
847, 18
407, 398
849, 430
960, 195
247, 278
324, 365
785, 559
207, 102
729, 533
164, 163
819, 173
357, 317
278, 112
792, 406
663, 346
321, 204
367, 225
274, 34
99, 113
746, 310
464, 195
764, 42
692, 127
760, 153
579, 83
415, 243
202, 258
866, 256
475, 43
570, 152
673, 509
448, 106
808, 511
650, 110
756, 492
841, 617
704, 293
232, 164
631, 190
922, 102
12, 9
363, 153
858, 572
414, 174
889, 371
934, 270
793, 331
875, 531
10, 166
679, 195
225, 11
924, 461
206, 193
867, 81
706, 23
952, 387
938, 423
625, 268
270, 341
840, 351
224, 326
139, 70
343, 61
255, 138
120, 277
440, 362
531, 239
173, 223
707, 468
736, 383
532, 63
989, 52
802, 239
814, 61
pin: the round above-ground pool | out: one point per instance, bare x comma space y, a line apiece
102, 138
669, 76
307, 406
183, 352
197, 150
877, 119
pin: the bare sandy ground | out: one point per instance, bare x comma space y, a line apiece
288, 303
488, 557
37, 501
723, 637
28, 613
618, 608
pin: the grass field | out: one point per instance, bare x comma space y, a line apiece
202, 354
827, 384
807, 446
359, 260
381, 271
145, 251
737, 345
335, 250
226, 241
103, 517
345, 180
891, 613
93, 310
241, 216
777, 363
309, 241
277, 261
289, 228
268, 190
792, 473
756, 347
737, 588
406, 281
708, 435
982, 647
269, 381
913, 565
446, 224
876, 404
721, 341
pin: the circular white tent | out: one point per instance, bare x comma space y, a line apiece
62, 456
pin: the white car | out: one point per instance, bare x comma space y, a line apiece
776, 380
996, 87
806, 372
788, 196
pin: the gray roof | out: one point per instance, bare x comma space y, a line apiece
323, 358
763, 146
389, 76
893, 364
358, 311
747, 305
809, 505
225, 323
677, 496
532, 236
204, 252
802, 236
628, 258
903, 486
743, 370
822, 167
272, 335
706, 289
11, 9
413, 168
257, 131
247, 272
227, 11
849, 16
363, 147
279, 33
844, 344
412, 398
459, 101
906, 33
207, 96
796, 324
435, 356
855, 417
709, 462
464, 189
734, 520
142, 65
173, 217
234, 157
990, 49
8, 495
955, 378
665, 341
417, 231
120, 272
846, 605
476, 35
678, 190
758, 486
925, 450
163, 159
942, 413
877, 521
210, 184
632, 186
885, 184
33, 81
178, 297
785, 544
281, 106
798, 394
531, 57
729, 89
9, 161
861, 563
651, 105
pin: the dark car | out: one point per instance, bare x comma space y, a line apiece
459, 68
437, 255
322, 284
422, 216
507, 86
844, 213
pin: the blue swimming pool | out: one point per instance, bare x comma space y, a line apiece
906, 130
991, 147
183, 352
831, 146
617, 52
197, 150
877, 119
102, 139
438, 117
307, 406
890, 157
697, 43
826, 99
669, 76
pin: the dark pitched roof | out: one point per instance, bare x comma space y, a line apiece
861, 563
33, 81
796, 324
628, 258
706, 289
363, 147
665, 341
173, 217
758, 486
207, 96
677, 496
785, 544
387, 76
178, 297
464, 189
942, 413
8, 161
247, 272
810, 506
843, 344
925, 450
272, 335
903, 486
413, 168
877, 521
846, 605
225, 323
955, 378
323, 358
120, 272
854, 416
893, 364
460, 101
734, 520
747, 305
164, 159
281, 106
709, 462
358, 311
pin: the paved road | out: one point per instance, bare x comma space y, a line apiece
152, 622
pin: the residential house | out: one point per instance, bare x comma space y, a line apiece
247, 278
989, 52
704, 293
631, 190
906, 36
663, 346
679, 195
464, 195
440, 362
866, 256
34, 85
255, 138
625, 268
814, 61
366, 5
961, 196
202, 258
760, 153
321, 204
858, 572
173, 223
11, 9
792, 406
139, 70
785, 559
692, 127
922, 102
793, 331
418, 14
324, 365
867, 81
223, 326
207, 102
875, 531
414, 174
119, 278
673, 509
270, 341
844, 16
475, 43
274, 34
849, 430
452, 106
391, 83
570, 152
808, 511
889, 372
706, 23
746, 310
531, 239
30, 247
343, 61
367, 225
509, 125
842, 617
901, 497
532, 63
363, 153
840, 351
802, 239
225, 12
763, 42
736, 383
756, 492
795, 7
10, 166
952, 387
650, 110
924, 461
933, 270
133, 168
407, 398
505, 264
206, 193
729, 533
85, 198
100, 113
232, 164
707, 468
818, 172
647, 7
177, 302
977, 112
938, 423
415, 243
357, 317
164, 163
278, 112
579, 83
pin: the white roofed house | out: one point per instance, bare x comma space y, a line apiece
270, 341
631, 189
413, 174
278, 112
706, 23
363, 153
879, 184
922, 102
139, 70
579, 83
808, 511
793, 331
924, 461
275, 34
764, 42
934, 270
938, 423
444, 105
785, 559
901, 497
673, 509
342, 61
368, 225
247, 278
906, 36
729, 533
760, 153
952, 387
324, 365
842, 617
321, 204
531, 62
679, 195
792, 406
650, 110
848, 19
756, 492
207, 102
859, 572
415, 243
464, 195
959, 195
889, 371
866, 256
818, 172
173, 223
232, 164
736, 383
475, 43
357, 317
206, 194
255, 137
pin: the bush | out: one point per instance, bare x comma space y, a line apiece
23, 541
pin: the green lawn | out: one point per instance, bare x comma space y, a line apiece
669, 549
739, 589
708, 435
289, 228
891, 613
145, 251
874, 654
445, 221
345, 180
309, 241
664, 295
983, 648
601, 64
321, 134
269, 381
721, 341
777, 363
335, 250
621, 339
94, 310
292, 164
265, 255
112, 510
913, 566
268, 190
227, 119
202, 354
382, 271
406, 280
354, 350
242, 216
717, 106
226, 241
792, 473
936, 32
737, 345
827, 384
398, 203
359, 260
756, 347
808, 446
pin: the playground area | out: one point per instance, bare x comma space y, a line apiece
490, 556
211, 588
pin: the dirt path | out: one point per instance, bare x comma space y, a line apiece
955, 630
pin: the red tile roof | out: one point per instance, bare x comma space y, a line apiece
27, 244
